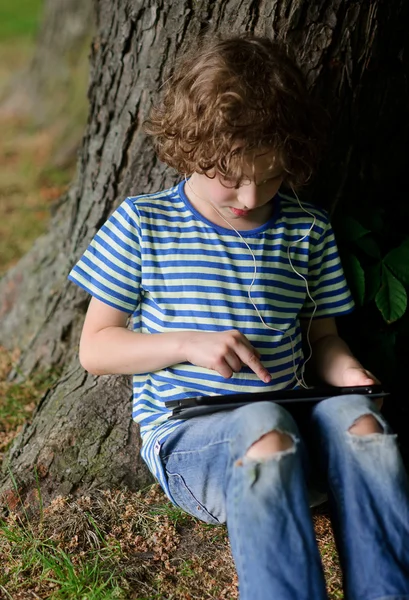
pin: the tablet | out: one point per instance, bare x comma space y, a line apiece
186, 408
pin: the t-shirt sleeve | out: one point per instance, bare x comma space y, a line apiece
110, 268
326, 280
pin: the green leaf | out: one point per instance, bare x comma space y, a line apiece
350, 230
368, 244
391, 299
398, 262
356, 277
373, 281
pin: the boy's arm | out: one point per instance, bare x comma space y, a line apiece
332, 359
108, 347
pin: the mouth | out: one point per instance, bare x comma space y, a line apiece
239, 213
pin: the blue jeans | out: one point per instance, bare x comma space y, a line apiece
265, 502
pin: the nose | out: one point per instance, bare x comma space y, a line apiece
249, 195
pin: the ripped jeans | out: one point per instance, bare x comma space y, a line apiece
265, 501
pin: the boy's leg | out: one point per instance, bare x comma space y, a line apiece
246, 467
369, 496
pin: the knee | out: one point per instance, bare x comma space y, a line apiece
365, 425
256, 420
261, 430
269, 444
353, 413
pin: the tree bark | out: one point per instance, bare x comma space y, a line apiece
81, 435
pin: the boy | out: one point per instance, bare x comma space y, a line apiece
223, 275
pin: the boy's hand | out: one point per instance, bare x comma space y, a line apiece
225, 352
359, 376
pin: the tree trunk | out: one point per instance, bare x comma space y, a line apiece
81, 434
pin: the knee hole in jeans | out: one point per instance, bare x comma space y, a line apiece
365, 425
269, 444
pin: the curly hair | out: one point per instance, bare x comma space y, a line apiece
232, 98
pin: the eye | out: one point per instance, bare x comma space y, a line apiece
232, 183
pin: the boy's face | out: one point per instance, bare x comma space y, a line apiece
246, 207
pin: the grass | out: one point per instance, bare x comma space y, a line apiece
18, 400
109, 546
28, 188
30, 553
20, 22
120, 544
30, 182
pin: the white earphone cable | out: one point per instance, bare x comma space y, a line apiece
301, 381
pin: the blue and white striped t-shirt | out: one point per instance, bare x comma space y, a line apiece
160, 260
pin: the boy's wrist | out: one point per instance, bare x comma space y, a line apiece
334, 359
183, 339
